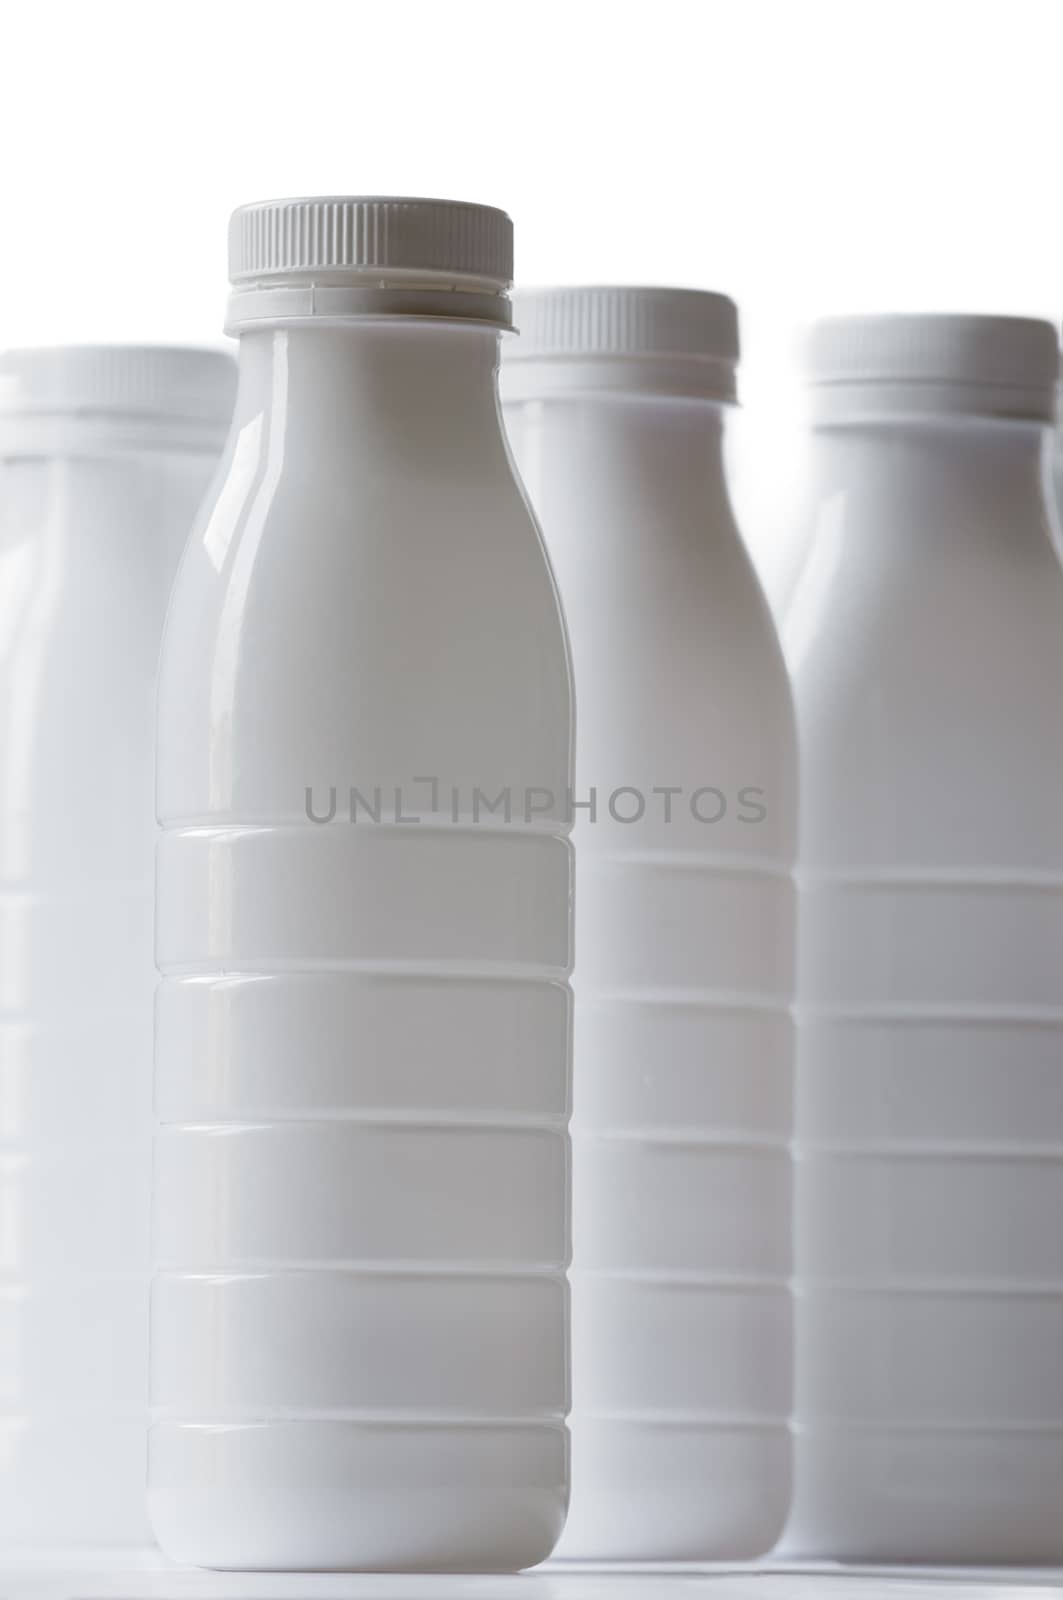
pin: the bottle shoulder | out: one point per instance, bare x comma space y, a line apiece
364, 631
926, 674
299, 548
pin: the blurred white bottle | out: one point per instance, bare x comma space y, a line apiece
104, 455
1056, 471
615, 402
926, 644
362, 1063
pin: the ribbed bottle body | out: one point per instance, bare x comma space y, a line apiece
925, 640
685, 908
360, 1320
91, 532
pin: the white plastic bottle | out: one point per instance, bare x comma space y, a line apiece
362, 1062
925, 640
104, 455
1055, 472
615, 402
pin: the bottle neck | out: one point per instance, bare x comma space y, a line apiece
959, 474
417, 387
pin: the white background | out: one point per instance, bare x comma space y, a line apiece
805, 156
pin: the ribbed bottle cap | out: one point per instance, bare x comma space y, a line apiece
993, 366
688, 337
349, 254
143, 381
354, 233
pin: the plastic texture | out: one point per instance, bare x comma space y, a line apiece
685, 929
360, 1318
925, 639
104, 455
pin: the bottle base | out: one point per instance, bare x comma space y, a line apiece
338, 1496
930, 1497
659, 1492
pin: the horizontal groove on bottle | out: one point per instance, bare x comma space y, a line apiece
413, 826
414, 1271
407, 1267
916, 878
902, 1014
713, 1421
686, 999
386, 972
371, 1416
686, 1278
556, 1128
684, 1138
849, 1424
723, 864
397, 1421
807, 1286
477, 971
423, 1121
808, 1151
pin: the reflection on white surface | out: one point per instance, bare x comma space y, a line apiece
146, 1575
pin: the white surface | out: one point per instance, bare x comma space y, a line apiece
684, 928
94, 511
151, 1578
362, 1068
926, 643
828, 200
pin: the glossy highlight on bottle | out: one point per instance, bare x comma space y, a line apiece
360, 1310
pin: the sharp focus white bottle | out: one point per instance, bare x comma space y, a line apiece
615, 402
364, 903
104, 455
926, 644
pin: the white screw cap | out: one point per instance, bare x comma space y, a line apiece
178, 384
998, 366
359, 233
690, 332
